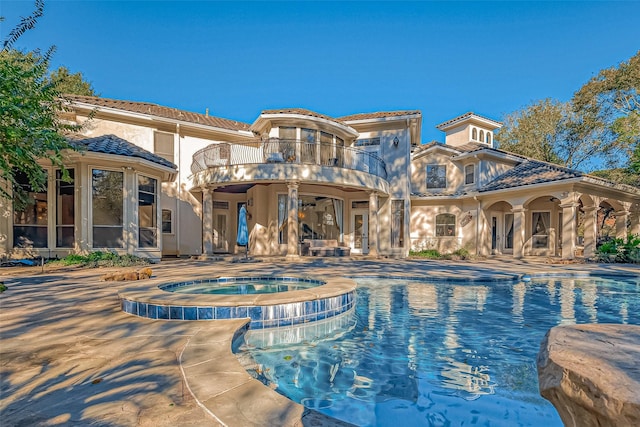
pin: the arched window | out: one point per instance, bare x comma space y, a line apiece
474, 134
445, 225
481, 135
489, 138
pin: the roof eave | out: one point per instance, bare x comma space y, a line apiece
152, 117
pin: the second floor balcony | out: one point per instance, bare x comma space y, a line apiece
285, 151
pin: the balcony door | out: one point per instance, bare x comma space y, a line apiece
360, 232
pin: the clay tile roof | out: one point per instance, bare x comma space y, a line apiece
464, 116
300, 111
378, 115
531, 172
111, 144
160, 111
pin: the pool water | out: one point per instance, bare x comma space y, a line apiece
440, 354
242, 286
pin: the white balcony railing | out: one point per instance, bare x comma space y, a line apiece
276, 150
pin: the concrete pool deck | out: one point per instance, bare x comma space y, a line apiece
70, 356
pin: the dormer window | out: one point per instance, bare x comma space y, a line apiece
436, 176
469, 174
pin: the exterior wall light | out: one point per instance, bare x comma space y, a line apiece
396, 141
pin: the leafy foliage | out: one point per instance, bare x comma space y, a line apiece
31, 129
71, 84
459, 254
102, 259
601, 121
620, 250
26, 23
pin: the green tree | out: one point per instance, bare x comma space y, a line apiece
71, 84
601, 121
535, 131
30, 107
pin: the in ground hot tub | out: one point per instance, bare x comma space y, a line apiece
273, 302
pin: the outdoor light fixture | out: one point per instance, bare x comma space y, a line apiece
396, 141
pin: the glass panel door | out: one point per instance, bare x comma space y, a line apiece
360, 240
508, 232
220, 233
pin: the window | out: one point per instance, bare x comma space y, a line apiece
481, 135
469, 174
65, 211
474, 134
397, 224
360, 205
220, 205
326, 149
107, 208
445, 225
287, 133
540, 229
147, 212
436, 176
489, 138
308, 135
163, 145
283, 218
30, 221
308, 148
365, 142
167, 221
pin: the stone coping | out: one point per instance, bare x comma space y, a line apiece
235, 398
590, 373
150, 293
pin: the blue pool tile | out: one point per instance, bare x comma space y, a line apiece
285, 322
310, 307
142, 309
152, 311
322, 315
175, 313
256, 324
205, 313
127, 306
190, 313
163, 312
223, 313
239, 312
255, 313
270, 323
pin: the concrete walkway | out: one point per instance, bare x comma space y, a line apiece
69, 356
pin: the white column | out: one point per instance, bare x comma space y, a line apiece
590, 230
373, 224
569, 230
634, 228
518, 231
292, 221
207, 222
621, 224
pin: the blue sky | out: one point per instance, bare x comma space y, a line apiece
336, 58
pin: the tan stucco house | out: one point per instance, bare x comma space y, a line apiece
155, 181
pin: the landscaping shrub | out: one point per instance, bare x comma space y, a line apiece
619, 250
102, 259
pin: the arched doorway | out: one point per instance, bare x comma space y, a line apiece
501, 232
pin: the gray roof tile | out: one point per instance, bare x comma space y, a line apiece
111, 144
530, 172
160, 111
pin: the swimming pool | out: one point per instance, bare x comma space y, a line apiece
440, 353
